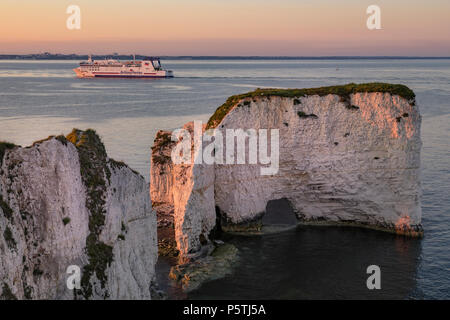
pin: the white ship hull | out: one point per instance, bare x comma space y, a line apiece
150, 68
85, 74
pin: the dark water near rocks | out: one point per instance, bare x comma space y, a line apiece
310, 262
318, 263
40, 98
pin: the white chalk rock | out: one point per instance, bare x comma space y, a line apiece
186, 187
46, 221
347, 155
354, 162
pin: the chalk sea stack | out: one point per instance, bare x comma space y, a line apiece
64, 202
349, 155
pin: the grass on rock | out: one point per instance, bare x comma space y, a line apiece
3, 147
95, 173
344, 91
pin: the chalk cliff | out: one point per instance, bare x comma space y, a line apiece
64, 202
188, 189
347, 155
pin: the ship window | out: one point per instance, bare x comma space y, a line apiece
156, 64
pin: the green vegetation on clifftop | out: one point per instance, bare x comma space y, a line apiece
162, 140
3, 147
94, 172
344, 91
60, 138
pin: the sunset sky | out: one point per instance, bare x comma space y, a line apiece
227, 27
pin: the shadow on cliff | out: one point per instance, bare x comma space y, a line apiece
279, 212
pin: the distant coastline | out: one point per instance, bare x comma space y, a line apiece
57, 56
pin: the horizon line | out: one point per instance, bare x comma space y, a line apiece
49, 54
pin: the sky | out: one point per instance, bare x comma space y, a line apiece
227, 27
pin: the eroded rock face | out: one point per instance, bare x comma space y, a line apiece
66, 203
160, 172
348, 155
189, 189
354, 162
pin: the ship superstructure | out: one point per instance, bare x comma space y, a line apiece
149, 67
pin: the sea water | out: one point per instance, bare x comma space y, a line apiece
42, 98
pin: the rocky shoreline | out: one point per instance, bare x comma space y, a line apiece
213, 262
348, 155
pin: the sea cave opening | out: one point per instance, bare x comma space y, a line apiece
279, 212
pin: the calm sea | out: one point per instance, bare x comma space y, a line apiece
42, 98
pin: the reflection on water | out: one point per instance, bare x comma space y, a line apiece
42, 98
309, 262
318, 263
172, 288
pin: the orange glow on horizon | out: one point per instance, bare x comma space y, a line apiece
247, 27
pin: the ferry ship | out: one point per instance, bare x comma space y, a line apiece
149, 67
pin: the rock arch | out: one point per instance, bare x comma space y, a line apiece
348, 155
279, 212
